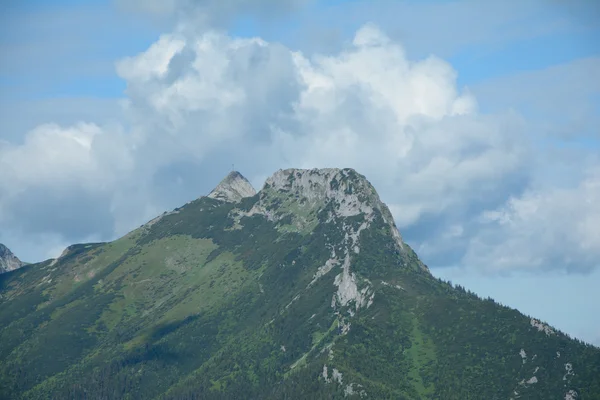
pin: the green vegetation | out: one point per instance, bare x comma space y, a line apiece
209, 302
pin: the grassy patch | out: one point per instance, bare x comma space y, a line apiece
422, 354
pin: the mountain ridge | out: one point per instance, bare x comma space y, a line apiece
300, 290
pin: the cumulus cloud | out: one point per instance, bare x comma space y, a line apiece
197, 102
83, 155
364, 104
57, 185
555, 228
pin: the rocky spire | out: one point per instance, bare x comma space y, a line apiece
8, 261
233, 188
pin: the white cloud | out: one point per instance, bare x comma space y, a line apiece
364, 104
553, 228
56, 187
154, 62
49, 154
198, 102
56, 156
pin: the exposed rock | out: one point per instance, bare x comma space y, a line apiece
352, 192
532, 380
571, 395
344, 326
233, 188
540, 326
336, 376
325, 269
325, 374
350, 391
523, 356
569, 371
8, 261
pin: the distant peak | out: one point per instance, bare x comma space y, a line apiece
232, 188
8, 261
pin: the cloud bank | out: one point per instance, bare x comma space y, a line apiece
463, 185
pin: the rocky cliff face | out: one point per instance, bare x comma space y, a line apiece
346, 192
8, 261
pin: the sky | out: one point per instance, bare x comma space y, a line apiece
477, 122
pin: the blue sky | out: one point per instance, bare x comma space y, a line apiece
491, 144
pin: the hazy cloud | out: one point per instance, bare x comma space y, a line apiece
211, 13
444, 28
562, 98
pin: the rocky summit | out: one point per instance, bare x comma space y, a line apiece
233, 188
303, 290
8, 261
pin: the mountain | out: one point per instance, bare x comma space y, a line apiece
8, 261
304, 290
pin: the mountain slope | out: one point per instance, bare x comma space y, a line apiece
8, 261
302, 290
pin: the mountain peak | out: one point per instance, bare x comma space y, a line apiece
350, 191
8, 261
232, 188
327, 184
